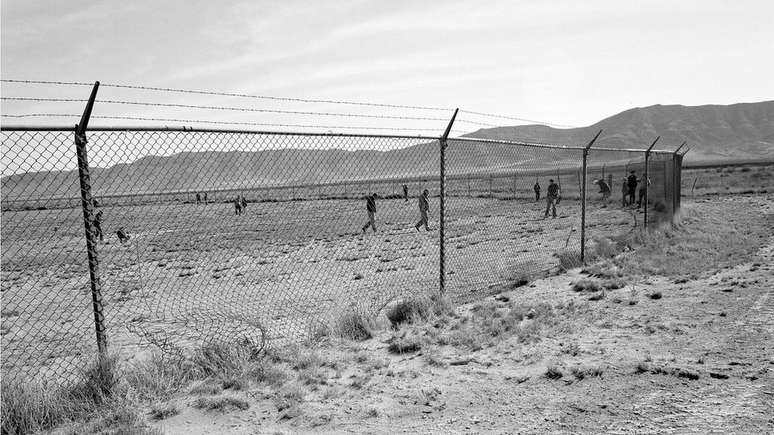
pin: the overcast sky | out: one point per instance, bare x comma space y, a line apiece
567, 62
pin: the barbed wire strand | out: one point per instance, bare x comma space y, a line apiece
202, 121
244, 109
304, 100
230, 94
514, 118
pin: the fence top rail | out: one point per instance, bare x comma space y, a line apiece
632, 150
214, 130
297, 133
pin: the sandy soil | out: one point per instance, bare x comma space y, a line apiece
697, 359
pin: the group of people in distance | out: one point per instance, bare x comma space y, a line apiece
201, 197
628, 191
423, 203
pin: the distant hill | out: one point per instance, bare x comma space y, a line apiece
738, 131
714, 132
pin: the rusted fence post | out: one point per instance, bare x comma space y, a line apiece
442, 207
87, 203
583, 198
647, 180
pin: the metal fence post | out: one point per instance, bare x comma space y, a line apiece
647, 180
583, 198
442, 207
87, 204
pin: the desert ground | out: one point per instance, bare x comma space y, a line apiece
191, 272
673, 336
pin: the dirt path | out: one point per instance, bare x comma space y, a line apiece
660, 355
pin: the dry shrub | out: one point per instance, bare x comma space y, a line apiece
569, 259
553, 372
163, 411
405, 343
586, 285
220, 404
354, 325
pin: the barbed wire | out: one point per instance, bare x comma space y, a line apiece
514, 118
289, 99
230, 94
203, 121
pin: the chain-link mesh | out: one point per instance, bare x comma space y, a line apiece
504, 220
47, 320
237, 236
267, 237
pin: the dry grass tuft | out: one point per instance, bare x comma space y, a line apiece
553, 372
569, 259
407, 343
354, 325
586, 285
220, 404
163, 411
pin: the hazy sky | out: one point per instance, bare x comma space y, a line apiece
568, 62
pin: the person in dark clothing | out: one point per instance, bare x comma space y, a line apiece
537, 191
198, 197
371, 208
405, 192
122, 236
552, 198
205, 197
424, 208
237, 206
98, 221
604, 189
631, 183
624, 192
244, 203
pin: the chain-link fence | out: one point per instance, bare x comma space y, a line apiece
207, 235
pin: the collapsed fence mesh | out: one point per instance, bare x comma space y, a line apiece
271, 238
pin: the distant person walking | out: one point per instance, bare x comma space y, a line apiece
537, 191
237, 206
643, 191
198, 197
405, 192
371, 208
424, 208
98, 221
243, 201
631, 183
552, 198
604, 189
624, 192
205, 197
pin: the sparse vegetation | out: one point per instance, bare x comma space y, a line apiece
586, 285
163, 411
553, 372
220, 404
569, 259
